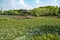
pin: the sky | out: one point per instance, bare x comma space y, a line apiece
27, 4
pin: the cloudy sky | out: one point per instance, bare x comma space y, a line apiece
27, 4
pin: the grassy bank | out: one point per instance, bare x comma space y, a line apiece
46, 28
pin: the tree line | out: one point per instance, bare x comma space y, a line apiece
40, 11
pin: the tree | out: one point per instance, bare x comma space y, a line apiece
59, 10
56, 11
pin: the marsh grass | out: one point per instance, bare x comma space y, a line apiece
30, 29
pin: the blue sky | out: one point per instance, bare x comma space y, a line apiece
27, 4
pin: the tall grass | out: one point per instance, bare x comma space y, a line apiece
30, 29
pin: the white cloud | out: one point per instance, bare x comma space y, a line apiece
8, 4
37, 1
21, 4
46, 2
54, 2
13, 4
58, 2
24, 5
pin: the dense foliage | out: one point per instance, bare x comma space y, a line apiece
59, 13
46, 11
40, 11
59, 10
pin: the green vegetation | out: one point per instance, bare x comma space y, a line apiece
39, 28
42, 23
59, 12
40, 11
46, 11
